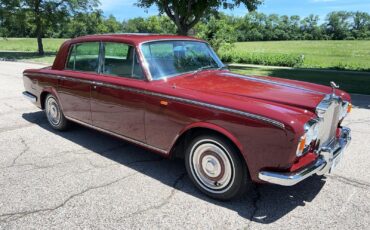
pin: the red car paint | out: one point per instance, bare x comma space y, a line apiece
157, 122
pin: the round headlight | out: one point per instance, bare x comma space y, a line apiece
344, 109
311, 128
312, 133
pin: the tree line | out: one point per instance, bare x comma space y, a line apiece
253, 26
58, 21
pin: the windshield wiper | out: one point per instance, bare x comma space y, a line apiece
222, 67
204, 68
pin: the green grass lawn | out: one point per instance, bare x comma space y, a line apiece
317, 54
25, 49
29, 44
350, 81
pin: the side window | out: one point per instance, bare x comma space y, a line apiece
120, 60
84, 57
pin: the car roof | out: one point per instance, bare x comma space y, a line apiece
132, 38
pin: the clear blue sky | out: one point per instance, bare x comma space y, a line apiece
125, 9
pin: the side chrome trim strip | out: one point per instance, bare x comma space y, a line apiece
118, 135
271, 82
32, 98
183, 100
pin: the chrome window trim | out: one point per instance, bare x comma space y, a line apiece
184, 100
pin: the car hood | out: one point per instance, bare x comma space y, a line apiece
288, 92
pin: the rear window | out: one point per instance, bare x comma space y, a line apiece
84, 57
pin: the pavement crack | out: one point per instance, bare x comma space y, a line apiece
21, 214
8, 217
350, 181
175, 186
24, 150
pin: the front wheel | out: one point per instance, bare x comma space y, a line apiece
54, 114
215, 166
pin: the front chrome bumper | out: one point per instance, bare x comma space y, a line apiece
32, 98
328, 157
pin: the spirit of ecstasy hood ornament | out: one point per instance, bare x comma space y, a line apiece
333, 86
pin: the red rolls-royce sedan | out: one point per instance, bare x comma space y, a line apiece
173, 95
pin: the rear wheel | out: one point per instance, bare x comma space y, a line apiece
216, 167
54, 114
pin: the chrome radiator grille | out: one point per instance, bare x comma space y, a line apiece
330, 119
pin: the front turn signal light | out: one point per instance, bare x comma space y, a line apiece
301, 145
349, 108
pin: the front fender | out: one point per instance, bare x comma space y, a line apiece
210, 126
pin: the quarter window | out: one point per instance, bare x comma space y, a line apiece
84, 57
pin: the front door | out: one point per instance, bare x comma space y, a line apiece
117, 98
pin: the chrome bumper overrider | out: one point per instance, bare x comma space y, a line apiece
29, 96
327, 159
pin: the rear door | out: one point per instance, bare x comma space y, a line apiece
117, 96
75, 85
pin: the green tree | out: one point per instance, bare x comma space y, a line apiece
187, 13
47, 13
218, 30
338, 26
361, 25
310, 28
152, 24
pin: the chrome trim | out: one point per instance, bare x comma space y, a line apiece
184, 100
199, 172
32, 98
173, 39
118, 135
271, 82
323, 164
325, 103
329, 111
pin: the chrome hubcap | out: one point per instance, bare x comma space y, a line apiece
52, 111
211, 166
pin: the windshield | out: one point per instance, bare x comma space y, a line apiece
171, 58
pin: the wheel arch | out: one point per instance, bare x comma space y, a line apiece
179, 145
44, 94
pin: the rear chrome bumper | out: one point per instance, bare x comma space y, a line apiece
32, 98
328, 157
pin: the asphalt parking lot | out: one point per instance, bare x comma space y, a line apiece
85, 179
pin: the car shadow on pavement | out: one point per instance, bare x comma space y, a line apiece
262, 204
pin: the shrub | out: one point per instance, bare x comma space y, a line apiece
238, 56
346, 66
